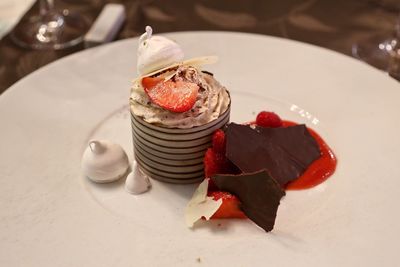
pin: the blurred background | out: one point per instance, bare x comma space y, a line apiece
340, 25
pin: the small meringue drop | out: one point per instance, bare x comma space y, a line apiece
104, 161
156, 52
137, 182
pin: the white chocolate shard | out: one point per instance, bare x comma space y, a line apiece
201, 205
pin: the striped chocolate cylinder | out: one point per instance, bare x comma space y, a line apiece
173, 155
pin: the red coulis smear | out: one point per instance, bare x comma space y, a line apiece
320, 170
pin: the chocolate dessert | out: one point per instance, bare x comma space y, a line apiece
175, 108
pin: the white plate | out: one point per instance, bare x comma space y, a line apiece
51, 216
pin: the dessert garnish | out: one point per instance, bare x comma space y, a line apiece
178, 96
137, 182
201, 205
251, 165
230, 207
156, 52
258, 192
104, 161
285, 152
268, 119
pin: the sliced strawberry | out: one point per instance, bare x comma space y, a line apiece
230, 207
177, 96
268, 119
149, 82
218, 141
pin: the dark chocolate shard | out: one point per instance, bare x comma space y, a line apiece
258, 192
284, 152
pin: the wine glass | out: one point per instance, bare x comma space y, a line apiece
49, 29
379, 51
394, 61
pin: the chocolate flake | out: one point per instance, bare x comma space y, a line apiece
207, 72
258, 192
284, 152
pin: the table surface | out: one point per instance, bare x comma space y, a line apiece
332, 24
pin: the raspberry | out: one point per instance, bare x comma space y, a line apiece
218, 141
268, 119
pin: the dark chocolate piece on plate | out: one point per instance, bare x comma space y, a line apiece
284, 152
258, 192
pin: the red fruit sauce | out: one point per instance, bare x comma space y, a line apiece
319, 170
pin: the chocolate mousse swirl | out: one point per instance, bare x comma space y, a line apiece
212, 101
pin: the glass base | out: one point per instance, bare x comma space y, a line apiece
375, 51
52, 31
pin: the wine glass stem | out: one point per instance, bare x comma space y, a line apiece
46, 6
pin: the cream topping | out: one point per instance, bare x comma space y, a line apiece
212, 101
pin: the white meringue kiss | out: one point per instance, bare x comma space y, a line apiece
137, 182
104, 161
156, 52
